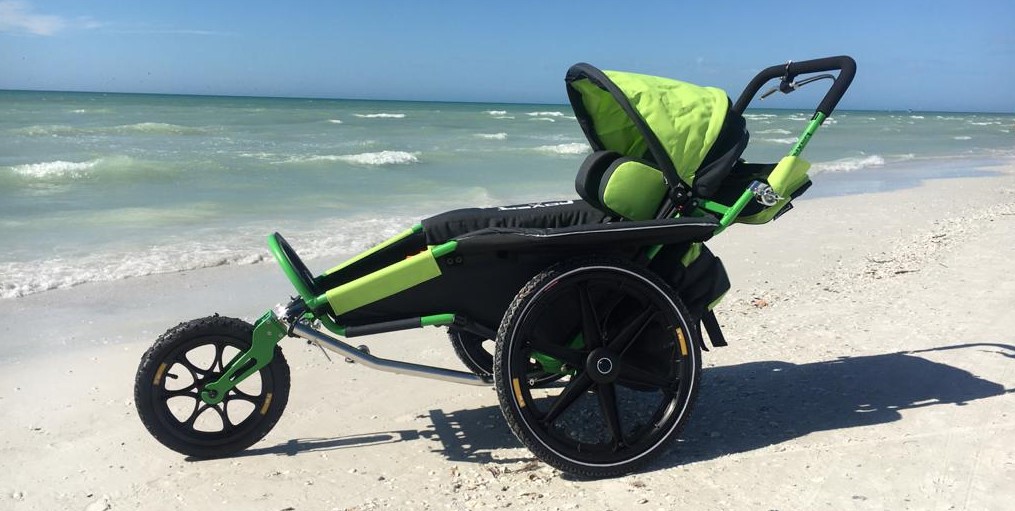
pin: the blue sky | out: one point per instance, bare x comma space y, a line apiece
921, 55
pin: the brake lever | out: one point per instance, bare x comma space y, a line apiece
787, 87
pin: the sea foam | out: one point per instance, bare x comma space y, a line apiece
54, 169
850, 164
347, 237
572, 148
380, 116
491, 136
377, 158
787, 141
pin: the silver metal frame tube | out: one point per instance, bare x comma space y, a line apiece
381, 364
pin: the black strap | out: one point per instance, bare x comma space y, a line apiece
711, 325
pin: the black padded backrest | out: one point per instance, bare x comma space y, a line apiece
590, 175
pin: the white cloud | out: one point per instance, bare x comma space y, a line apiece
18, 16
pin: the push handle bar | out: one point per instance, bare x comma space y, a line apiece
788, 73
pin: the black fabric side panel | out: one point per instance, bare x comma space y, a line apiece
478, 286
391, 254
540, 215
590, 238
699, 284
738, 181
722, 156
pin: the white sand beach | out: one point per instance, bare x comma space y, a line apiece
869, 367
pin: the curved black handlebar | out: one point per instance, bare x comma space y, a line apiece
788, 72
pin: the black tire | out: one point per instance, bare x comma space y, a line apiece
635, 366
471, 349
173, 371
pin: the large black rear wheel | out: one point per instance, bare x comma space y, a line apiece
632, 356
174, 371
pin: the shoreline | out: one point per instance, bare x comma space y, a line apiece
889, 176
869, 367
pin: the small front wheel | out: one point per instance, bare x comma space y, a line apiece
176, 368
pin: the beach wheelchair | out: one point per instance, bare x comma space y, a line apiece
586, 315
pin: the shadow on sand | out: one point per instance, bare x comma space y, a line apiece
740, 408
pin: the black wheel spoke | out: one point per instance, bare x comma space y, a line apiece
190, 391
224, 414
575, 389
199, 408
632, 374
236, 395
591, 328
631, 331
217, 363
195, 372
608, 405
567, 355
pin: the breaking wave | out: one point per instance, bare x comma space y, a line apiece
380, 116
491, 136
572, 148
787, 141
850, 164
370, 159
62, 170
24, 278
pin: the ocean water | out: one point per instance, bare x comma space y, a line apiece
100, 187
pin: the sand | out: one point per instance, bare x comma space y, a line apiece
869, 367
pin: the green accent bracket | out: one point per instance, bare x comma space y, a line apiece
554, 365
268, 331
437, 320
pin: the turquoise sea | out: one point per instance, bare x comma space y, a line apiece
99, 187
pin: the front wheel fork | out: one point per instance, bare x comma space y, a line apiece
268, 331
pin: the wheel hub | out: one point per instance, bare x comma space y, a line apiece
602, 366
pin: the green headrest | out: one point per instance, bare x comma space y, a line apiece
621, 186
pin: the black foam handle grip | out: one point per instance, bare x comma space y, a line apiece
844, 64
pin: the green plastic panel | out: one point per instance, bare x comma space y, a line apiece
387, 281
788, 176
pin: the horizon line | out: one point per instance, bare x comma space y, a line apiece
465, 102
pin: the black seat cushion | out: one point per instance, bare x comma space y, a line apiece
540, 215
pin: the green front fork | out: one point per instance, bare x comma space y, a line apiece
268, 331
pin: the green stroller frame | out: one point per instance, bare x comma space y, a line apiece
596, 306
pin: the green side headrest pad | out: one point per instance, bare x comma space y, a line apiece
632, 189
